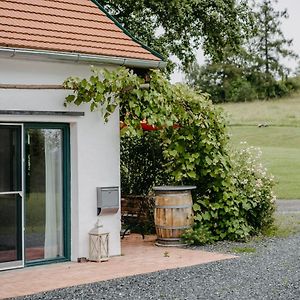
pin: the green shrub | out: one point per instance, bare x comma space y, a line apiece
247, 205
229, 82
254, 187
198, 236
240, 90
233, 199
142, 163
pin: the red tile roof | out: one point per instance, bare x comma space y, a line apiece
78, 26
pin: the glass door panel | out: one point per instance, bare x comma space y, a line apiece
10, 223
44, 234
10, 158
11, 246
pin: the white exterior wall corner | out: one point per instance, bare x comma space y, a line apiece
95, 148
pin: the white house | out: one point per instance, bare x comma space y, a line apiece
52, 158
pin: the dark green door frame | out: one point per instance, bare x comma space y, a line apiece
66, 176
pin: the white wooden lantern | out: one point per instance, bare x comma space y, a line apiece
98, 245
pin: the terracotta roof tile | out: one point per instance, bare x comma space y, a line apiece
66, 26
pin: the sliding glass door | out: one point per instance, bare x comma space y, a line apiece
46, 206
11, 193
34, 194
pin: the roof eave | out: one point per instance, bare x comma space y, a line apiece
80, 58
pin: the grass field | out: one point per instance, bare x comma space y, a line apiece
280, 112
279, 142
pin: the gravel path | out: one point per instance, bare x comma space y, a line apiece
288, 206
271, 271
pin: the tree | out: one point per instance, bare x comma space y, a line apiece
225, 81
269, 45
177, 28
257, 70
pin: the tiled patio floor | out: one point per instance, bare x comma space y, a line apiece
138, 257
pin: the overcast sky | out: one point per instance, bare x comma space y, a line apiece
290, 27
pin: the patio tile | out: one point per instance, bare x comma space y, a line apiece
138, 256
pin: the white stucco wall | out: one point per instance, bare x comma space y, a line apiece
94, 145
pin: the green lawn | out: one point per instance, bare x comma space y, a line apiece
279, 142
282, 112
281, 154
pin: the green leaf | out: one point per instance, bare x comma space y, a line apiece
198, 217
196, 207
192, 174
93, 106
70, 98
206, 216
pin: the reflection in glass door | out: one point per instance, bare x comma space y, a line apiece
44, 202
11, 245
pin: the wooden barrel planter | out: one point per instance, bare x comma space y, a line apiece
173, 213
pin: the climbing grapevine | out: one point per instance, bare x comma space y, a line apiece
194, 146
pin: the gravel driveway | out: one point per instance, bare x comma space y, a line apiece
271, 272
288, 206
